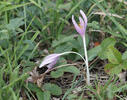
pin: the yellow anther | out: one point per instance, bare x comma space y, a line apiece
80, 26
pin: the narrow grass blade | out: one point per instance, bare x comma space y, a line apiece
13, 7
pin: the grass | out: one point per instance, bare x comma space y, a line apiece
29, 29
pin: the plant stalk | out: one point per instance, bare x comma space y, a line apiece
86, 60
73, 53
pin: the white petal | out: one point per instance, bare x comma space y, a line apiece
49, 59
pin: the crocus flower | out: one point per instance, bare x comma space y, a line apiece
50, 60
81, 28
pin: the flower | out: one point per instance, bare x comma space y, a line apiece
50, 60
81, 28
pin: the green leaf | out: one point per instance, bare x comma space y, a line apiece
15, 23
63, 48
56, 74
94, 25
108, 42
62, 39
92, 53
4, 34
104, 46
124, 56
108, 67
61, 61
43, 95
30, 43
72, 69
124, 65
34, 87
112, 69
46, 95
40, 95
114, 56
53, 89
4, 43
116, 70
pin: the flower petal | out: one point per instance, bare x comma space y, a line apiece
78, 29
84, 17
52, 63
49, 59
82, 25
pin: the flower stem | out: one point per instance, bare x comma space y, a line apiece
74, 53
86, 57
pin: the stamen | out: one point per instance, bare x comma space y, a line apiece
80, 26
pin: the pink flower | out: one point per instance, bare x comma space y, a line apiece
50, 60
81, 28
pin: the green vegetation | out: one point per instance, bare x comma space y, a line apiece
32, 29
